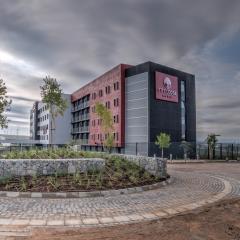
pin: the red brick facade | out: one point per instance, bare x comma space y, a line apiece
109, 90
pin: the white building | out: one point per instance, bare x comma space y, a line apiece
43, 128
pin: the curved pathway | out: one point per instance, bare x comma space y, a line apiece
193, 185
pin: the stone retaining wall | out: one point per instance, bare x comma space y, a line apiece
23, 167
155, 166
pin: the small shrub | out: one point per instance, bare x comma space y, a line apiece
53, 182
77, 177
23, 185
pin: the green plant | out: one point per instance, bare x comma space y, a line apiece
109, 142
7, 186
34, 181
133, 179
163, 141
88, 183
4, 104
53, 182
106, 126
212, 141
99, 180
51, 93
23, 184
77, 177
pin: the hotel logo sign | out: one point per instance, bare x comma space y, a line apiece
166, 87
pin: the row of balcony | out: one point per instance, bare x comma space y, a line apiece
80, 106
80, 129
81, 118
81, 141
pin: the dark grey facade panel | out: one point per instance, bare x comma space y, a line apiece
165, 116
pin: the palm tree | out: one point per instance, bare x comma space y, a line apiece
163, 141
212, 141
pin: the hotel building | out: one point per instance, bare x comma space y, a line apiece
144, 100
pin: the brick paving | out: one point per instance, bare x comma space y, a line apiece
193, 185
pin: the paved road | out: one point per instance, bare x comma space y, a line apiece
193, 185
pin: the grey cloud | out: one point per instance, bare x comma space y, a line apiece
57, 32
229, 105
77, 40
15, 98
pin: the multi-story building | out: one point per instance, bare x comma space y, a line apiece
109, 90
43, 128
144, 100
33, 122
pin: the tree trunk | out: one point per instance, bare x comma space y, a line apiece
52, 125
162, 153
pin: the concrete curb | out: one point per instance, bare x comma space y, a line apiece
119, 220
103, 221
201, 161
104, 193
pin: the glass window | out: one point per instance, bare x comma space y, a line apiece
183, 110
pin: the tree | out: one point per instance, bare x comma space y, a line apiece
212, 141
109, 142
4, 104
106, 125
187, 148
163, 141
52, 96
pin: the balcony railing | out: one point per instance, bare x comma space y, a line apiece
80, 129
80, 118
82, 141
80, 106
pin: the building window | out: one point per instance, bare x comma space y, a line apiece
116, 102
107, 90
115, 119
115, 136
107, 104
116, 86
183, 110
94, 95
100, 93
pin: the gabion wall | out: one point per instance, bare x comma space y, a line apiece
24, 167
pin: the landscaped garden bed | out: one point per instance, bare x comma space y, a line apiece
117, 173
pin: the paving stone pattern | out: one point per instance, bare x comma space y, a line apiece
190, 188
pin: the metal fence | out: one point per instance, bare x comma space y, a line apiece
175, 150
222, 151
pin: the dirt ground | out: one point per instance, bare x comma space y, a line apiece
220, 221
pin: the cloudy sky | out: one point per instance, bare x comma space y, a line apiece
77, 40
